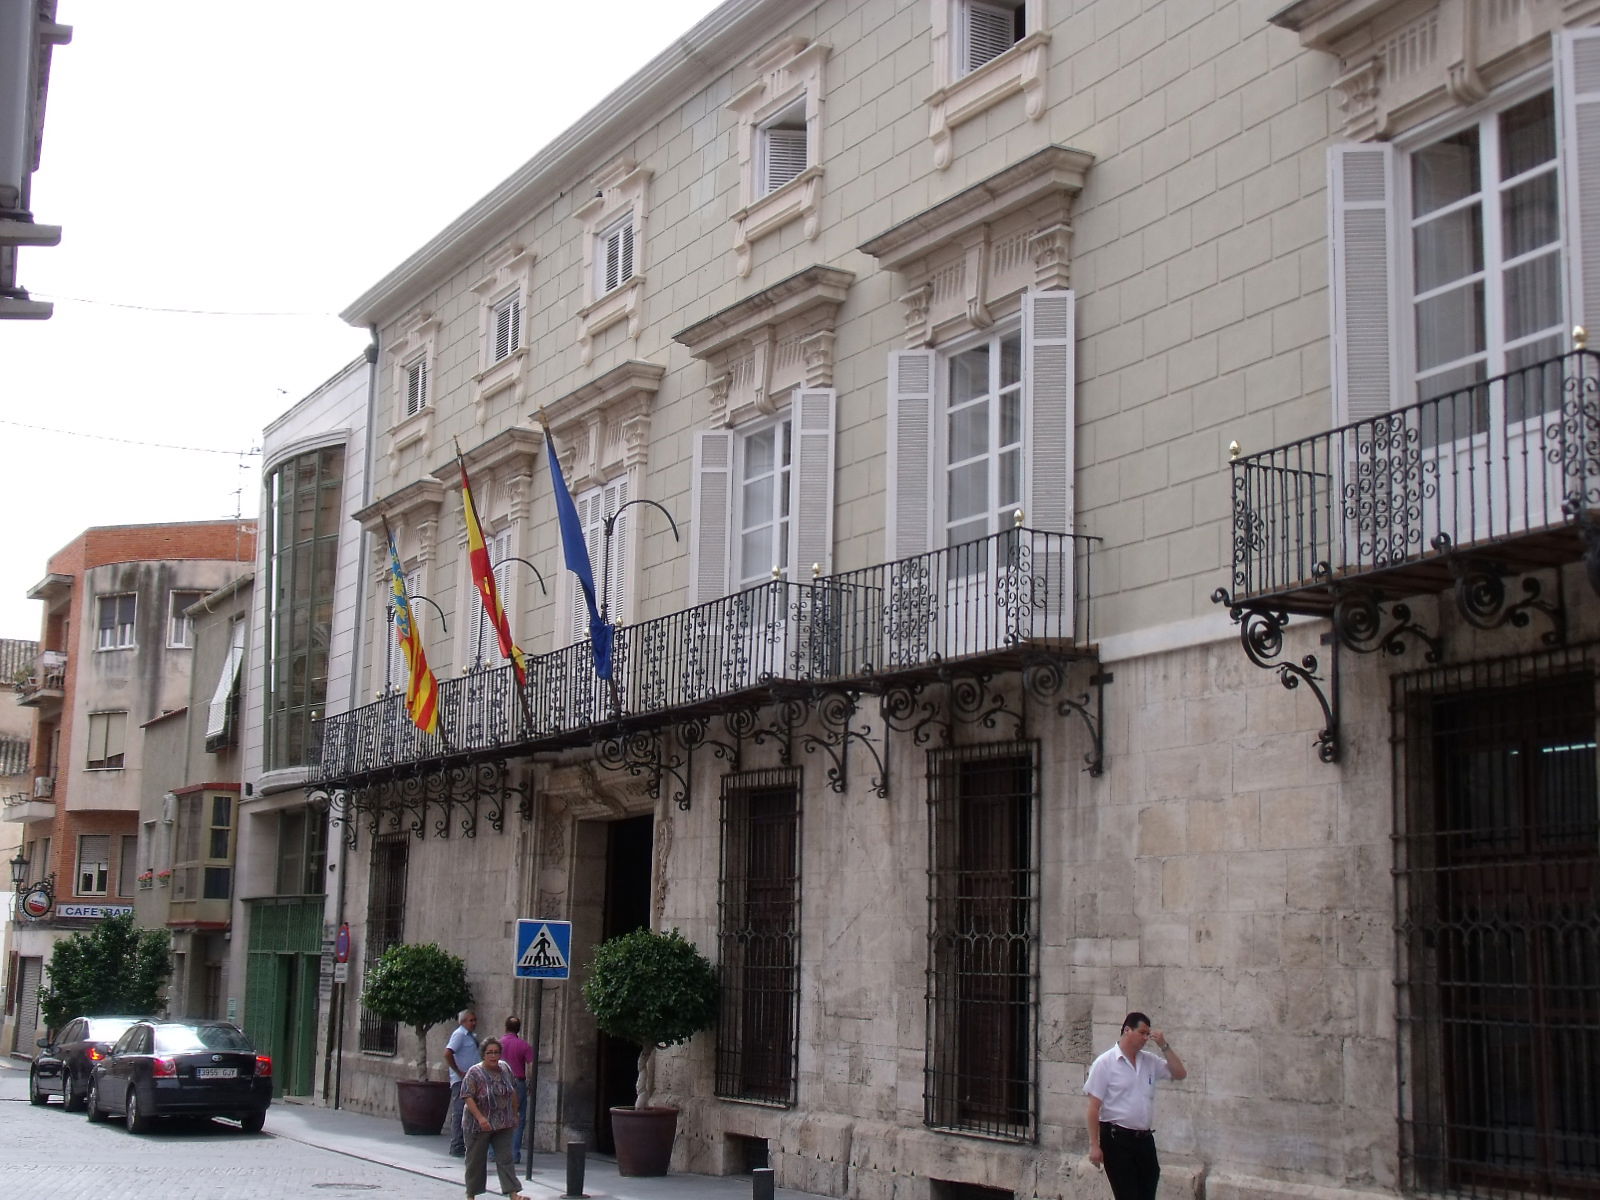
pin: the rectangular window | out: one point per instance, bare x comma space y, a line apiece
982, 436
180, 629
988, 30
94, 864
1499, 886
116, 621
386, 913
782, 143
127, 865
222, 717
203, 865
758, 936
763, 503
303, 499
505, 326
302, 852
615, 260
983, 940
1486, 263
416, 384
481, 635
594, 507
107, 734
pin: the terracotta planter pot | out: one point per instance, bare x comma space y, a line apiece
424, 1105
644, 1138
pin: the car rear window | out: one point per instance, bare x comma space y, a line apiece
177, 1039
107, 1030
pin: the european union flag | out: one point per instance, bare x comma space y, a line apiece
576, 552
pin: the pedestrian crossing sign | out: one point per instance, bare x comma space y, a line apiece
544, 949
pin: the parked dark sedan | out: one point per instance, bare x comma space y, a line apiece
182, 1068
66, 1062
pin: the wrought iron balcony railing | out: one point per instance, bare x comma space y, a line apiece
1504, 468
1004, 593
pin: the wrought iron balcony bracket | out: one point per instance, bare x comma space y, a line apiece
645, 754
1484, 603
1046, 677
441, 797
1261, 633
1359, 622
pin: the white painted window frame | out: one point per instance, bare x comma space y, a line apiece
961, 94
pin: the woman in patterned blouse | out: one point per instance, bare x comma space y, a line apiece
489, 1096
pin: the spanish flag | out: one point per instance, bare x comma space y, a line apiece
483, 578
422, 689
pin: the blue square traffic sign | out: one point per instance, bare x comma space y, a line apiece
544, 949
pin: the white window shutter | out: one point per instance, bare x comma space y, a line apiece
988, 33
619, 588
627, 253
1578, 115
785, 156
811, 483
217, 714
711, 504
1049, 417
911, 436
588, 505
1362, 235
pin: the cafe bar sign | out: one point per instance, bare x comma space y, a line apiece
94, 912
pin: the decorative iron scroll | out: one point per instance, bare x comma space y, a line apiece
1359, 622
1046, 678
1484, 602
645, 754
441, 797
1261, 632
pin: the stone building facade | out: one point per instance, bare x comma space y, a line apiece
976, 363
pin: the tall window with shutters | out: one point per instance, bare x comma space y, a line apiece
108, 732
415, 374
614, 257
483, 643
396, 676
505, 328
595, 506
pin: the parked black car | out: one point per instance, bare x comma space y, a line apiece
66, 1062
182, 1068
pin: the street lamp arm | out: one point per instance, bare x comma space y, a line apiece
529, 565
611, 521
443, 625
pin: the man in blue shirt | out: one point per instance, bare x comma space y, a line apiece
460, 1055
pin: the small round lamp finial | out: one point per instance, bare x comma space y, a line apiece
1580, 337
1233, 451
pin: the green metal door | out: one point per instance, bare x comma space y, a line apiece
280, 1014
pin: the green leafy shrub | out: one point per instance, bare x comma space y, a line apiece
418, 985
114, 968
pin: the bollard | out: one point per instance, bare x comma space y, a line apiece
761, 1183
575, 1165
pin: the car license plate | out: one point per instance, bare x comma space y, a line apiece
215, 1072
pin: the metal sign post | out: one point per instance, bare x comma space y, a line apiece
543, 951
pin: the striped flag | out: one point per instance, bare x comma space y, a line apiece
422, 689
483, 578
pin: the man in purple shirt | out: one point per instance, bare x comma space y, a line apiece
517, 1054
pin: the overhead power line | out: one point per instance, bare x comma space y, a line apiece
104, 437
188, 312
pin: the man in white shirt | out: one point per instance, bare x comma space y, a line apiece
1122, 1106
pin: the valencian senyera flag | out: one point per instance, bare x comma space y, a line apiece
422, 689
576, 553
483, 578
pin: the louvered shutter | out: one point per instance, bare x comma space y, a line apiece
910, 483
988, 33
618, 589
1578, 103
627, 253
227, 682
416, 387
507, 327
811, 483
1048, 416
785, 156
711, 503
1362, 234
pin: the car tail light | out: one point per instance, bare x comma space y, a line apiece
165, 1068
263, 1065
96, 1054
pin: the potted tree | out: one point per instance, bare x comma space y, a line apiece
654, 990
419, 986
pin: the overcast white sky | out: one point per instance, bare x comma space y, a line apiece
246, 157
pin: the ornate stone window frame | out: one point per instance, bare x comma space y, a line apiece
1404, 64
604, 426
509, 273
789, 72
620, 190
970, 256
417, 342
960, 96
762, 348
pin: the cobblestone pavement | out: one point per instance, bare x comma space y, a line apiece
48, 1152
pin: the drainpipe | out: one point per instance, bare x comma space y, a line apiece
336, 1023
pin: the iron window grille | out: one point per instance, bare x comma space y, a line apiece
758, 936
1497, 906
983, 930
386, 918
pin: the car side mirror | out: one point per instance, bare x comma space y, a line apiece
43, 1043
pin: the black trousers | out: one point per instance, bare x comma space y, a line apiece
1131, 1164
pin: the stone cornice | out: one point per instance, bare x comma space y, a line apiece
630, 380
489, 457
815, 287
1055, 169
415, 497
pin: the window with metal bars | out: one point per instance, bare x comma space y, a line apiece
386, 918
758, 936
1498, 912
983, 899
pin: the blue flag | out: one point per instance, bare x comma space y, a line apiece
576, 553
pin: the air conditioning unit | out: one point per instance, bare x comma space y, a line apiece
44, 787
